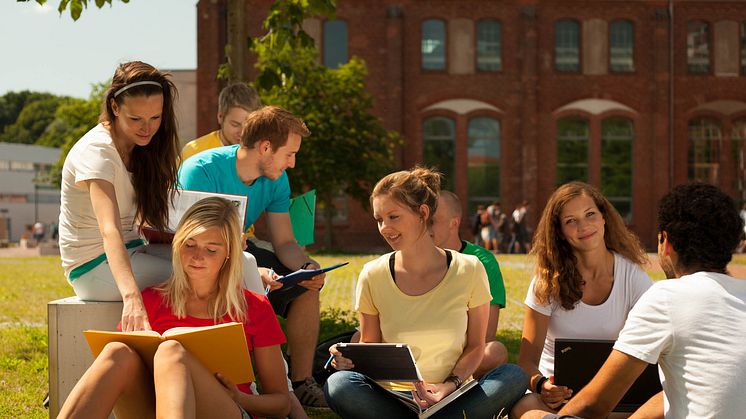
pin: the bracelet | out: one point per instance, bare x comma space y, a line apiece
455, 380
540, 383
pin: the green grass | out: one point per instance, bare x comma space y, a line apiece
27, 284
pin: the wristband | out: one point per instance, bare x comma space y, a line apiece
540, 383
455, 380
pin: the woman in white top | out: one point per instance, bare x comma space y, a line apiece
115, 179
588, 277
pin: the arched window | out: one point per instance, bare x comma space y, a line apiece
335, 43
621, 46
617, 136
489, 45
738, 139
743, 47
483, 163
704, 150
439, 140
698, 47
572, 150
433, 45
566, 45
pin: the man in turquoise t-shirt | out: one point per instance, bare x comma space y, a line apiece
270, 139
446, 223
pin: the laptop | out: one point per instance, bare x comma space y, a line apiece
576, 362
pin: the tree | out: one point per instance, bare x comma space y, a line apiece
33, 119
348, 149
77, 6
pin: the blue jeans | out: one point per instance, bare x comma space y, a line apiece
353, 395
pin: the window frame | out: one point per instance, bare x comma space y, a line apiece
579, 46
449, 179
324, 43
632, 45
710, 46
445, 46
481, 199
476, 45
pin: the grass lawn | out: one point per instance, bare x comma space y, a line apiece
27, 284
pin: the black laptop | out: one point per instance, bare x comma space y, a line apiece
576, 362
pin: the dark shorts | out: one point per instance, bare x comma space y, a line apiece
281, 298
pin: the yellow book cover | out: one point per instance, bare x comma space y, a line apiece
221, 348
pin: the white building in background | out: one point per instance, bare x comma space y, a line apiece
25, 193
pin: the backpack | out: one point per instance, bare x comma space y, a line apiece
322, 355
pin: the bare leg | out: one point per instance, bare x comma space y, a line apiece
530, 406
185, 388
117, 380
495, 354
303, 333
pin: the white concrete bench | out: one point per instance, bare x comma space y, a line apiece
69, 355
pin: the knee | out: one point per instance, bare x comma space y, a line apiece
169, 353
338, 384
495, 353
119, 355
527, 403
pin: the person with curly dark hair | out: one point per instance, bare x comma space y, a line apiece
588, 277
693, 325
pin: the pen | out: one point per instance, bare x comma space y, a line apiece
328, 362
271, 276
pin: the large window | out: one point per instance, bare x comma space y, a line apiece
483, 164
572, 150
704, 150
621, 46
439, 141
335, 43
489, 45
617, 135
698, 47
567, 45
738, 139
433, 45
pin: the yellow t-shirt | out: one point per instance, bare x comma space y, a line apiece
206, 142
433, 324
203, 143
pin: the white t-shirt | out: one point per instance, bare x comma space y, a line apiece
94, 156
695, 328
603, 321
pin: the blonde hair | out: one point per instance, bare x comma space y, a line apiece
229, 300
557, 277
412, 188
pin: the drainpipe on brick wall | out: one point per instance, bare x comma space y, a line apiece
671, 124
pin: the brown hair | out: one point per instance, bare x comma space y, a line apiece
271, 123
557, 277
238, 95
413, 188
154, 166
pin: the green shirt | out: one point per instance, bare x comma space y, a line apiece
494, 276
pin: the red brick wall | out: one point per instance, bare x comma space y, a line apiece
386, 34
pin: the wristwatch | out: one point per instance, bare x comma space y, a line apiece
453, 378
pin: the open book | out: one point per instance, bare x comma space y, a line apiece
221, 348
395, 362
426, 413
303, 274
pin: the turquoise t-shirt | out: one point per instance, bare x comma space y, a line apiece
214, 170
494, 276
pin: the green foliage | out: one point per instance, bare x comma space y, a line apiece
76, 6
348, 149
33, 120
72, 120
12, 103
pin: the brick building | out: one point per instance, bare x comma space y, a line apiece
511, 98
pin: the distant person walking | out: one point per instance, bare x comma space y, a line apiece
38, 231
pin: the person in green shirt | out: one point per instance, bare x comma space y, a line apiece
445, 232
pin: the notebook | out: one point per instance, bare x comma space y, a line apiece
576, 362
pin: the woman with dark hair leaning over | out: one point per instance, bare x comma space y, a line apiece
588, 276
435, 300
116, 178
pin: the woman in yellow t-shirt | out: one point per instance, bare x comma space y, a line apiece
435, 300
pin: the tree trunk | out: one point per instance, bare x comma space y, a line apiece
237, 45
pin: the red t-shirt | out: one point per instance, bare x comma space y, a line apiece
261, 328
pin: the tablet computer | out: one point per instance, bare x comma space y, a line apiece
382, 361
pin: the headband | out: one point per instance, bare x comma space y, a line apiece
135, 84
